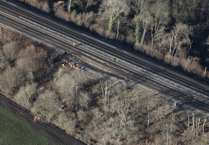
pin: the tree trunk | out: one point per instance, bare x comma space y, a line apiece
198, 126
118, 29
2, 33
204, 126
193, 121
177, 48
101, 82
69, 6
143, 35
205, 70
167, 135
171, 44
106, 93
152, 41
148, 114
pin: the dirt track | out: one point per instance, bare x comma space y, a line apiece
57, 135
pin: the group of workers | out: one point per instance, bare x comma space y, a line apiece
36, 119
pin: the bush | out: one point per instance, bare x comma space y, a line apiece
137, 32
10, 50
74, 13
46, 105
25, 95
60, 13
45, 7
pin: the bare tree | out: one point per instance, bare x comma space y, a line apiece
204, 126
160, 12
10, 50
24, 95
12, 78
71, 3
198, 126
118, 29
66, 85
148, 110
84, 100
60, 4
143, 14
46, 105
180, 34
193, 121
167, 130
110, 9
89, 3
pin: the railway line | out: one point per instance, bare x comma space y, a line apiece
13, 20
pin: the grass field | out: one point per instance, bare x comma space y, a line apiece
15, 131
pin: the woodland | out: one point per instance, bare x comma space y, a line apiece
109, 112
173, 32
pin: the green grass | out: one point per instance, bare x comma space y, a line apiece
16, 131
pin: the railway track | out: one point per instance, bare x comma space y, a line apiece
13, 20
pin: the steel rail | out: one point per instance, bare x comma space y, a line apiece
129, 58
132, 74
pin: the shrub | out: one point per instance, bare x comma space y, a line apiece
89, 16
46, 105
45, 7
137, 32
25, 95
112, 22
74, 13
60, 13
10, 50
196, 68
